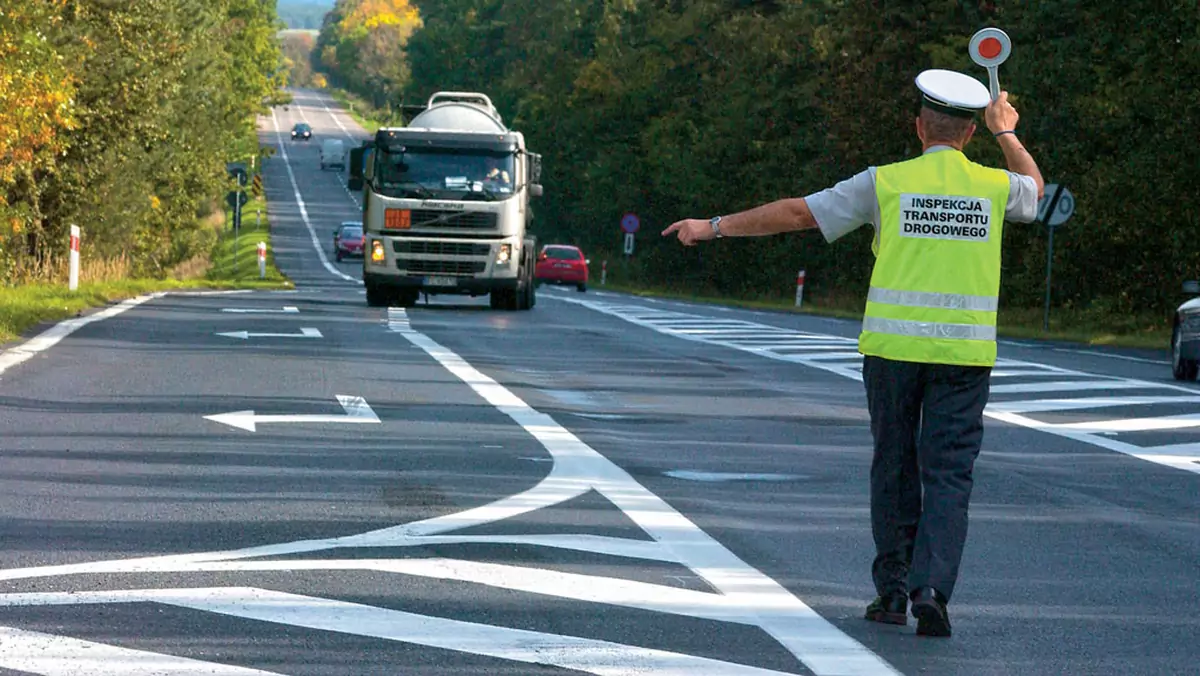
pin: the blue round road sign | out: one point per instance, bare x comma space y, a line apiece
630, 223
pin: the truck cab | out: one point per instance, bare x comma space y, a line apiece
446, 206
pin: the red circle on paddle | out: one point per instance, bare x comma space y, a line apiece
990, 48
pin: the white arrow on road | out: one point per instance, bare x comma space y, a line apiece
246, 335
287, 310
357, 412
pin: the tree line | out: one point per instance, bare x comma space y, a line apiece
674, 109
120, 117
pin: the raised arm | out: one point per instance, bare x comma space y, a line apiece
1002, 122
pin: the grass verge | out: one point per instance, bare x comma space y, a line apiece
1066, 326
24, 307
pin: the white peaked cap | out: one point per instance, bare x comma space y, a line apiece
952, 92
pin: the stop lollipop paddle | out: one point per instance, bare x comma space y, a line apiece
989, 48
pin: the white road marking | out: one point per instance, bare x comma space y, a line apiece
51, 336
692, 475
246, 335
357, 412
812, 639
51, 655
1052, 379
745, 595
1094, 353
287, 163
286, 310
519, 645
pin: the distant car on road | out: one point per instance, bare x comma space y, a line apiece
1185, 335
562, 264
348, 240
333, 154
302, 132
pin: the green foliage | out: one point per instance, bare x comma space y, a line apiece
361, 47
687, 109
163, 94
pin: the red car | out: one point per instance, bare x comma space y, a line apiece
348, 240
562, 264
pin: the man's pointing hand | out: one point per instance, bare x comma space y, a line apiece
691, 230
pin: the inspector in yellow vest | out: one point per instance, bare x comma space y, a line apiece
936, 283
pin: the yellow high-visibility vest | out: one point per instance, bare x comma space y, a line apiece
935, 288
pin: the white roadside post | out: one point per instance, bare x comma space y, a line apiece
73, 281
262, 260
799, 287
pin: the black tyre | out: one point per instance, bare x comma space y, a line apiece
1181, 368
376, 297
581, 287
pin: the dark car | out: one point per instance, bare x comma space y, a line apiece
562, 264
348, 240
1185, 335
302, 132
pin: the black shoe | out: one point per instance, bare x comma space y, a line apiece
889, 609
929, 607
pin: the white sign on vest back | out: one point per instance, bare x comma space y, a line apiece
967, 219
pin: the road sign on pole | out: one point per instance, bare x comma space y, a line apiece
630, 223
989, 48
1056, 206
629, 244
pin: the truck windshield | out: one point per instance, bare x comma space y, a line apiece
443, 172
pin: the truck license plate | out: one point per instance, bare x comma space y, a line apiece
441, 281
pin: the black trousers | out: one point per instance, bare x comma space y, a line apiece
927, 421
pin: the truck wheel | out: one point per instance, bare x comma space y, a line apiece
376, 297
500, 299
408, 297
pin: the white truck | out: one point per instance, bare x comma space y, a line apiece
446, 206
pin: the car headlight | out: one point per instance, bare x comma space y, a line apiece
376, 251
504, 255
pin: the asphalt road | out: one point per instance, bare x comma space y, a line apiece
605, 484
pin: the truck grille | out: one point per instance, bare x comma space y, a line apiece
441, 248
455, 220
423, 267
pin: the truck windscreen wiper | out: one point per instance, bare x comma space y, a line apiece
412, 187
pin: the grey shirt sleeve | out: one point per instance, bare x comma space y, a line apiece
1022, 204
841, 209
851, 203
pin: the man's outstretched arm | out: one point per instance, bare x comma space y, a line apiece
783, 215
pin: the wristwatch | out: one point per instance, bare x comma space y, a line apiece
715, 222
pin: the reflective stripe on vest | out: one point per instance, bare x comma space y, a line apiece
935, 286
903, 327
948, 301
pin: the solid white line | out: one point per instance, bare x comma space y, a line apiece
51, 336
591, 656
287, 310
1093, 353
820, 645
1166, 422
1002, 411
1070, 386
51, 655
287, 163
1043, 405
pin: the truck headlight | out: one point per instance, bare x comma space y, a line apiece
376, 251
504, 254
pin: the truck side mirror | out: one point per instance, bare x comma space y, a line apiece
1192, 286
535, 190
535, 168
